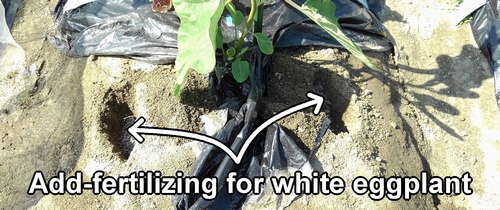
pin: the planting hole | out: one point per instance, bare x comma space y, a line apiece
116, 119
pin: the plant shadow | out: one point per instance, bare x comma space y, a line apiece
429, 91
197, 97
386, 14
455, 77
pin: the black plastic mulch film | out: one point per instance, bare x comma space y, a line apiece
485, 25
129, 28
11, 7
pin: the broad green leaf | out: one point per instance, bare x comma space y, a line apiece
240, 70
238, 17
321, 12
265, 45
196, 37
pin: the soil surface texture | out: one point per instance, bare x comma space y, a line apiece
431, 109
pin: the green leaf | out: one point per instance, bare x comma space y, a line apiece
219, 39
231, 52
240, 70
238, 17
265, 45
320, 11
243, 51
196, 37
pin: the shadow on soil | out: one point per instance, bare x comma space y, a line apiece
388, 14
456, 77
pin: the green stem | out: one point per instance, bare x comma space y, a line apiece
247, 26
257, 28
228, 2
293, 4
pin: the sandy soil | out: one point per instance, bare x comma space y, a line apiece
431, 108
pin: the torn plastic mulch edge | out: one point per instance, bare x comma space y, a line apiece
485, 25
130, 28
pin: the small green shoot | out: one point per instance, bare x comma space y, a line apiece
199, 35
230, 53
237, 16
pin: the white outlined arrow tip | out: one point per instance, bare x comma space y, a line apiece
134, 129
318, 100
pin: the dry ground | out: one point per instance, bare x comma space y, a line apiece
432, 108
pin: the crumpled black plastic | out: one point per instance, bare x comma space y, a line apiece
117, 27
11, 7
129, 28
272, 151
485, 25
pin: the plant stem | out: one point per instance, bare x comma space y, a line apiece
247, 26
293, 4
227, 2
257, 28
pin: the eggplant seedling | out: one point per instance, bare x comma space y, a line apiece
200, 38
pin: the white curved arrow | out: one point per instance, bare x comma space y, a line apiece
136, 130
